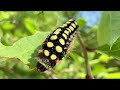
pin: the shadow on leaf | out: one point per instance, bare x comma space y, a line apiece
34, 57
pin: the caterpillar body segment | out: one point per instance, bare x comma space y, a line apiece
56, 45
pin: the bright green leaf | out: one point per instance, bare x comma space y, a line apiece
81, 22
25, 49
104, 58
109, 28
8, 26
112, 76
98, 68
29, 25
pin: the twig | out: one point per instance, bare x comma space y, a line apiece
50, 74
88, 68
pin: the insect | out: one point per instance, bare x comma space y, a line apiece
56, 45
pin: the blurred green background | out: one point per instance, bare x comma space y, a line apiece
19, 24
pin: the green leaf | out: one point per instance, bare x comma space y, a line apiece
62, 65
29, 25
8, 26
2, 75
109, 28
98, 68
81, 22
109, 33
77, 59
1, 34
104, 58
25, 49
114, 51
112, 76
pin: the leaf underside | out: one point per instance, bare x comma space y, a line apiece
109, 28
25, 49
108, 35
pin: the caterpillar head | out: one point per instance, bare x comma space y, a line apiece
43, 63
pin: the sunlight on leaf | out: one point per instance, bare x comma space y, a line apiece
26, 49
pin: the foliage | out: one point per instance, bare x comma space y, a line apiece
22, 33
109, 29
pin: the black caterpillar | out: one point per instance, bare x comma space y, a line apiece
56, 45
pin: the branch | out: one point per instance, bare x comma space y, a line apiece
50, 74
88, 68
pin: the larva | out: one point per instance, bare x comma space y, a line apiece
55, 46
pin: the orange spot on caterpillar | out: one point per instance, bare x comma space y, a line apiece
57, 61
40, 51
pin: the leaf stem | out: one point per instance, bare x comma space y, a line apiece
88, 68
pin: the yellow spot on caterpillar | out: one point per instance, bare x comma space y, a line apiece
71, 28
64, 35
58, 49
71, 20
64, 25
62, 41
68, 29
54, 37
61, 26
68, 22
57, 31
50, 44
75, 22
46, 52
53, 57
66, 32
73, 25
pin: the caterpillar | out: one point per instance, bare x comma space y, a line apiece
56, 45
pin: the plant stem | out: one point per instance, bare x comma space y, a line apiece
88, 68
50, 74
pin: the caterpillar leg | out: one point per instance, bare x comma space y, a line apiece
57, 61
71, 44
40, 51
